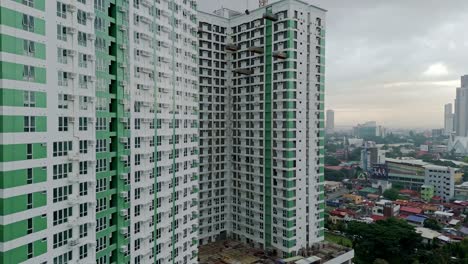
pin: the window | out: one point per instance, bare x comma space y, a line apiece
101, 243
61, 10
62, 78
83, 210
82, 39
62, 101
29, 151
64, 258
83, 81
29, 73
83, 251
28, 23
101, 165
81, 15
62, 56
83, 60
61, 216
83, 167
29, 47
61, 193
61, 238
101, 185
61, 32
101, 204
29, 124
83, 188
29, 229
61, 148
137, 142
29, 99
29, 3
62, 123
83, 146
83, 230
30, 250
61, 171
29, 203
29, 176
84, 100
101, 145
101, 124
101, 224
83, 124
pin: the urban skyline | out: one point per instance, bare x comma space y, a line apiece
414, 61
138, 132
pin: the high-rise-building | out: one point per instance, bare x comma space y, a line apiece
262, 126
461, 109
99, 137
330, 121
448, 119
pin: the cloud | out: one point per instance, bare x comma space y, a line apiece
385, 55
436, 69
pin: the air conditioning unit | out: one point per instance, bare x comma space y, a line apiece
73, 242
71, 75
91, 36
123, 212
71, 53
71, 119
90, 15
71, 8
71, 30
89, 57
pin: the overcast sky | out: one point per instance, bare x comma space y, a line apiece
396, 62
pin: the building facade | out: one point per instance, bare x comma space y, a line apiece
262, 126
461, 108
442, 179
99, 131
448, 119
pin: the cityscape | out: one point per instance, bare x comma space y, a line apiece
197, 131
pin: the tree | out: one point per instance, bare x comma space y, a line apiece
432, 224
392, 240
332, 161
391, 194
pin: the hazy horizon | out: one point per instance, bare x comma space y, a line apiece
398, 70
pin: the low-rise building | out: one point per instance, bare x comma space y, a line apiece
385, 208
408, 173
461, 192
427, 234
417, 220
333, 186
442, 179
443, 217
356, 199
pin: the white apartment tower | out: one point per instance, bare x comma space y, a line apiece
98, 131
261, 83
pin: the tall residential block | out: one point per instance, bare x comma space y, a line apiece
461, 109
448, 119
99, 136
261, 86
330, 121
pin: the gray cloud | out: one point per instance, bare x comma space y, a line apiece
377, 54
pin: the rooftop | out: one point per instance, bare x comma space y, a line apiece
412, 210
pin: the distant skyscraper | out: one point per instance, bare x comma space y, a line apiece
461, 108
448, 119
330, 125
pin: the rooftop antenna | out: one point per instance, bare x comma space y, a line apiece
262, 3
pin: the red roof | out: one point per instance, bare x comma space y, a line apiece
411, 210
409, 192
377, 218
